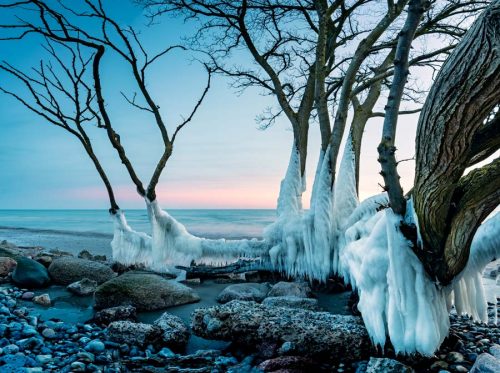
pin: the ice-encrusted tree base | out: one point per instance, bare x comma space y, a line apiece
304, 243
397, 298
171, 245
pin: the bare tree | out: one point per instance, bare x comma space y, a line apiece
61, 24
58, 91
304, 56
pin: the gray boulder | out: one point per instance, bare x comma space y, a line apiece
175, 333
83, 287
68, 269
30, 274
144, 291
120, 313
377, 365
244, 292
312, 334
295, 289
133, 333
292, 302
486, 363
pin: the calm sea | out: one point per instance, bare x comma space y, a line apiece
75, 230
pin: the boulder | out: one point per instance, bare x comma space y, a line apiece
244, 292
83, 287
144, 291
133, 333
495, 350
376, 365
292, 302
7, 265
43, 300
175, 333
44, 260
295, 289
68, 269
319, 335
289, 364
30, 274
85, 254
120, 313
486, 363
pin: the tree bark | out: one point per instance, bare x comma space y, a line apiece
450, 207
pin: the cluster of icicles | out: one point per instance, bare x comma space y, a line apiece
338, 235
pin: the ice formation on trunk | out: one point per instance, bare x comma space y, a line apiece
467, 292
345, 200
172, 245
304, 243
396, 296
292, 187
301, 241
284, 236
128, 246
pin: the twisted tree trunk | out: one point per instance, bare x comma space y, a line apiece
450, 206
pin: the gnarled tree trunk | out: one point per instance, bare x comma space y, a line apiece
450, 206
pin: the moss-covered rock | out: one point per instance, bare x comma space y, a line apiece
145, 291
68, 269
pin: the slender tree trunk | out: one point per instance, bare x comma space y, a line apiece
112, 135
386, 149
90, 151
450, 207
360, 55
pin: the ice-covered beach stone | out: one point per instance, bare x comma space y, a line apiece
292, 302
83, 287
144, 291
175, 333
245, 292
68, 269
30, 274
313, 334
295, 289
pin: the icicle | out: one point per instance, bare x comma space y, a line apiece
322, 223
467, 289
129, 246
396, 297
316, 181
345, 200
346, 195
172, 245
292, 187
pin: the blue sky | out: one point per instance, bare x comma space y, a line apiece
221, 159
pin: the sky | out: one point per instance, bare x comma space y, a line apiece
220, 160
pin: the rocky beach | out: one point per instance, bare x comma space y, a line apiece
84, 313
